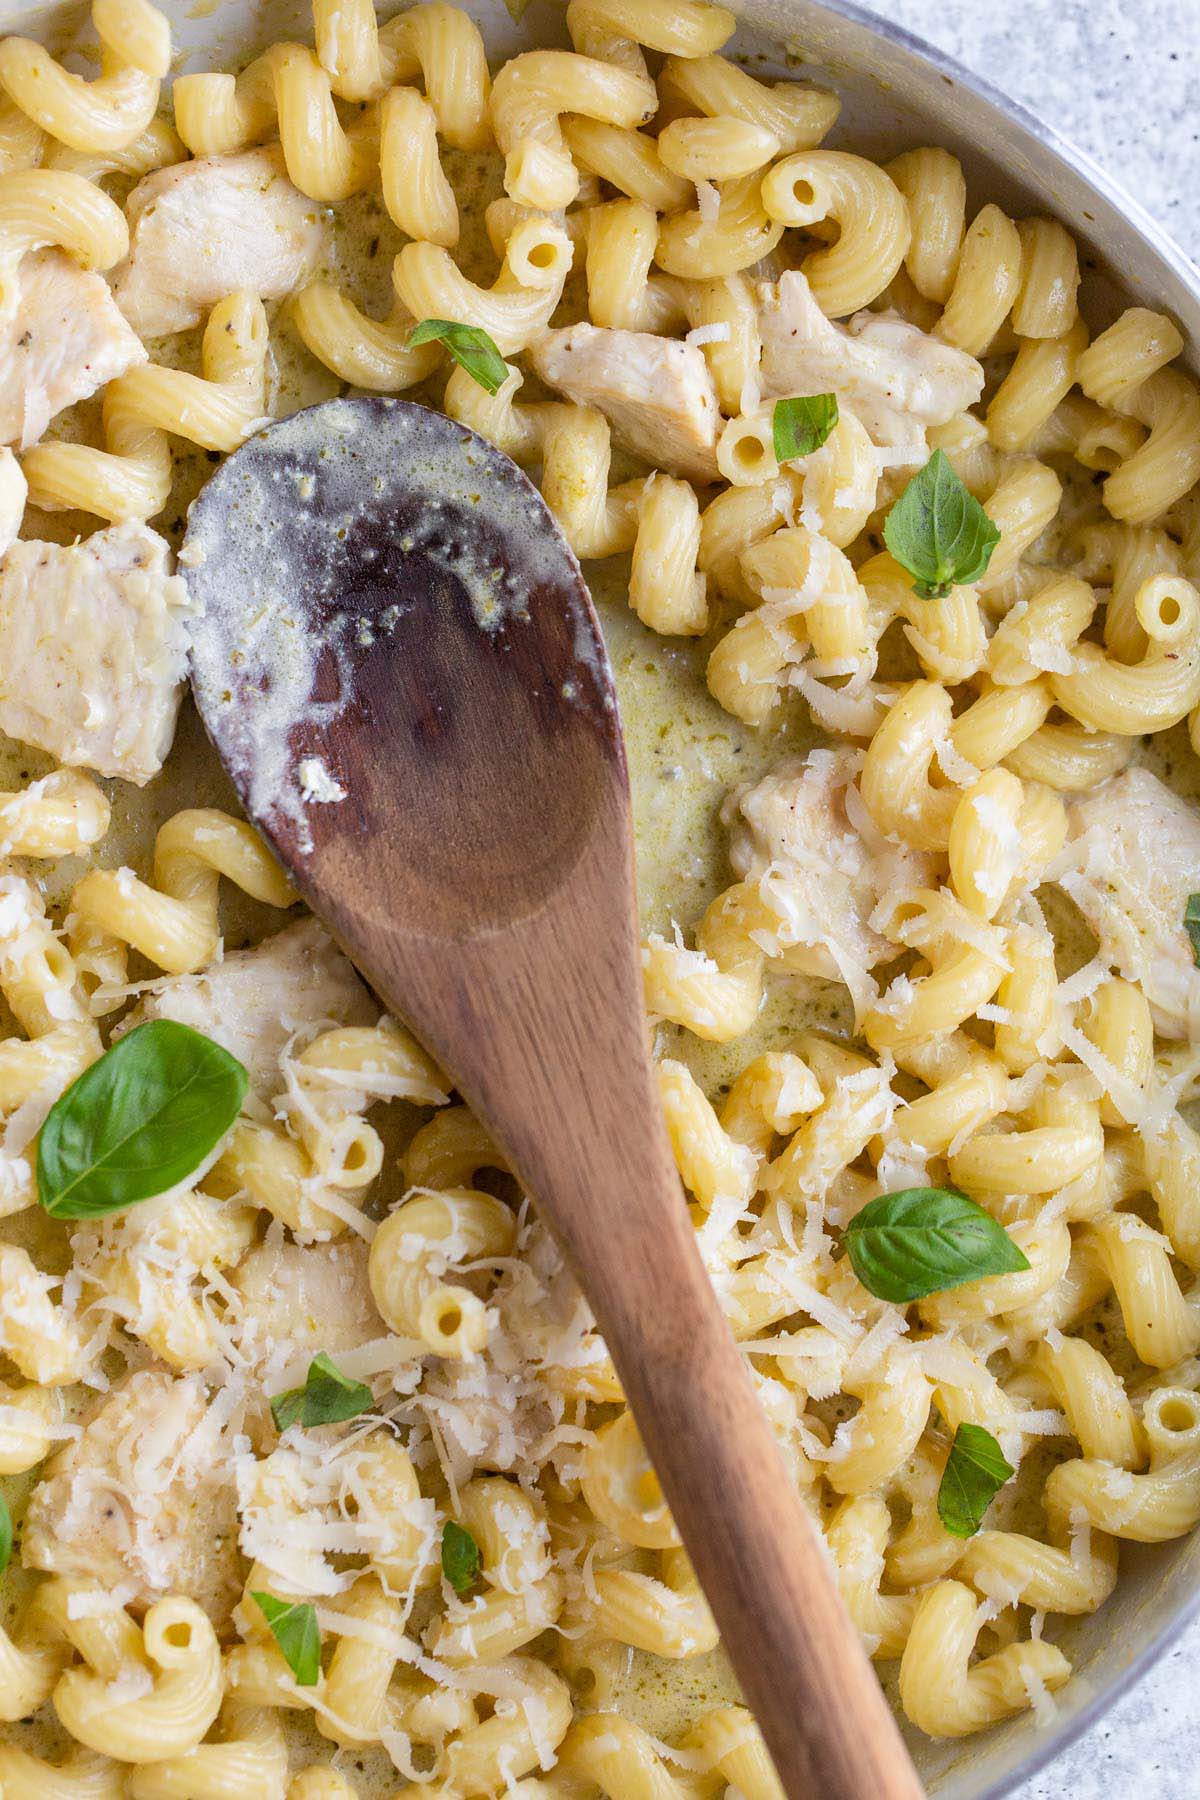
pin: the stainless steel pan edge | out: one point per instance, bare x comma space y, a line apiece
898, 91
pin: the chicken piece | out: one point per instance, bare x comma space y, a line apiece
656, 393
804, 835
295, 1301
896, 379
64, 341
203, 229
93, 650
1138, 850
144, 1502
256, 1002
13, 491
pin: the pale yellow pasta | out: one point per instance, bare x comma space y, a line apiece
867, 207
1046, 305
248, 1757
158, 147
628, 160
104, 114
1092, 1395
932, 182
1043, 373
528, 97
178, 1650
1159, 1324
82, 1775
1040, 635
987, 281
621, 1759
1021, 505
174, 922
1117, 362
947, 634
143, 409
42, 207
1068, 756
701, 248
1152, 694
857, 1535
1167, 465
798, 116
1116, 1019
415, 1245
731, 1742
1148, 1508
943, 1691
622, 1489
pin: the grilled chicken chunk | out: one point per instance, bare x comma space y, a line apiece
65, 340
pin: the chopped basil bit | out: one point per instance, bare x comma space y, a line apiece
974, 1474
939, 532
460, 1556
1191, 920
142, 1119
924, 1240
326, 1398
801, 424
469, 345
294, 1628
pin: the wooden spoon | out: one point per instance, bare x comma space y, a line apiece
399, 664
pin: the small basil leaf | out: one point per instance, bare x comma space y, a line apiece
140, 1120
6, 1534
326, 1398
294, 1628
469, 345
460, 1556
939, 532
801, 424
1191, 920
974, 1474
924, 1240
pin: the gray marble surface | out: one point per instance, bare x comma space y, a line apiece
1117, 76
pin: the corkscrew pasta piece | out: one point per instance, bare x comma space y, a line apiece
622, 1489
665, 1614
932, 183
528, 97
1148, 1508
943, 1691
81, 1775
426, 1236
44, 207
176, 1650
131, 477
1159, 1323
1166, 467
869, 210
1133, 349
1046, 305
986, 283
621, 1759
712, 1164
700, 248
248, 1756
857, 1536
44, 1338
174, 920
158, 147
106, 113
731, 1742
797, 115
524, 1590
1105, 694
1040, 376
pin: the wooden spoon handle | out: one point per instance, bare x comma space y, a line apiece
767, 1578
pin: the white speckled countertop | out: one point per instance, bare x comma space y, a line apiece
1119, 79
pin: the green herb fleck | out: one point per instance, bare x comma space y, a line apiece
939, 532
326, 1398
974, 1474
460, 1556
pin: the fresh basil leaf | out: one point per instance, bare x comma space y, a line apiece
469, 345
294, 1628
140, 1120
326, 1398
6, 1534
801, 424
923, 1240
939, 532
1191, 920
460, 1556
974, 1474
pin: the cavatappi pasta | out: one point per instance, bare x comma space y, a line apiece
913, 872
